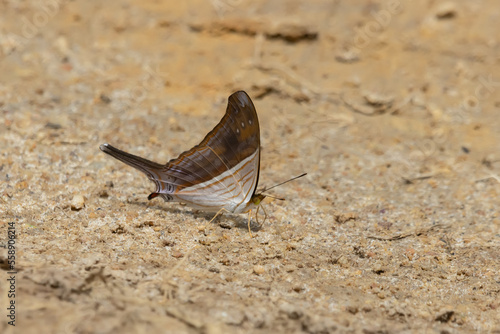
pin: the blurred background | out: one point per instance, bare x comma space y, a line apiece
391, 107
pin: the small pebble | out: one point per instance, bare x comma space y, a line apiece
103, 194
293, 311
446, 10
259, 270
177, 254
77, 203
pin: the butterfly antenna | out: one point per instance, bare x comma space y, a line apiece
279, 184
279, 198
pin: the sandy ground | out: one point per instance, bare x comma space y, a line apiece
391, 107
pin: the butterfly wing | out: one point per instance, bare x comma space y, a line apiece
226, 162
221, 171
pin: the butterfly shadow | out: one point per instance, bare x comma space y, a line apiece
147, 205
223, 219
229, 220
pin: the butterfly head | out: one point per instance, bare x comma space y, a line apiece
257, 199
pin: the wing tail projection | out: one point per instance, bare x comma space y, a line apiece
152, 169
146, 166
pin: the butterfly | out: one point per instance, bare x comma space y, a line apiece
220, 173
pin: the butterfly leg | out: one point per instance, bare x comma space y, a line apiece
249, 230
216, 215
257, 215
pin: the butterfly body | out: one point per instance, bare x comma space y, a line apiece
222, 172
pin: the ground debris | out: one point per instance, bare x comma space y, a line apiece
286, 30
415, 233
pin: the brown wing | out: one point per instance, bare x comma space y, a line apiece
236, 137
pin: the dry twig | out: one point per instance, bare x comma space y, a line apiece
416, 233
